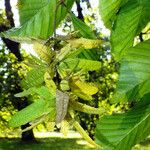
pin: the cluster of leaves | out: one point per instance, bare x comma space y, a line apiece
126, 19
58, 78
56, 82
61, 77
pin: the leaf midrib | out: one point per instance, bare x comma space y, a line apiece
132, 129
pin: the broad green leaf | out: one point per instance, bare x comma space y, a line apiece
38, 18
44, 52
34, 62
75, 53
122, 131
85, 43
82, 89
132, 18
109, 10
42, 91
86, 88
76, 64
45, 94
64, 52
82, 95
144, 89
89, 65
25, 92
50, 84
134, 79
80, 45
90, 54
30, 113
35, 77
86, 32
82, 29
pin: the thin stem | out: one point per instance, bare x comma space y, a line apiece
35, 124
84, 134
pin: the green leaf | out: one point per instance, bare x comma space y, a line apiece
132, 18
30, 113
35, 77
25, 93
134, 79
122, 131
77, 45
86, 88
109, 10
83, 29
86, 32
82, 95
37, 18
42, 91
44, 52
89, 65
82, 89
49, 83
91, 54
34, 62
72, 64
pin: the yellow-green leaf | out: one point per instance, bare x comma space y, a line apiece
50, 83
85, 43
86, 88
43, 51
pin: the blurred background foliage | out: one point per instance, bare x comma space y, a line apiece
8, 79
